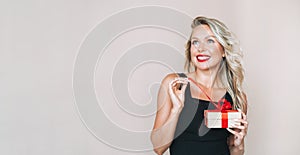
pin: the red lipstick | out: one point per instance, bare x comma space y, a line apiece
202, 57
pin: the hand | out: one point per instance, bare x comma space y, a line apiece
239, 130
176, 91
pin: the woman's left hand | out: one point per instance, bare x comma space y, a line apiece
239, 130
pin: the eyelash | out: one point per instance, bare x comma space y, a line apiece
194, 42
208, 41
211, 40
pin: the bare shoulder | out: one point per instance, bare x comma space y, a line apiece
168, 78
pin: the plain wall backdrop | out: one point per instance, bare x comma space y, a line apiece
40, 40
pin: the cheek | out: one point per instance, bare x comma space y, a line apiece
218, 51
193, 52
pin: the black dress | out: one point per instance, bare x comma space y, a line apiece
192, 137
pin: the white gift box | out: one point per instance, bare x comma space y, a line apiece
221, 118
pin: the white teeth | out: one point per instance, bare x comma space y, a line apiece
202, 57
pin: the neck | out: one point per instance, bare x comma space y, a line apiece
207, 78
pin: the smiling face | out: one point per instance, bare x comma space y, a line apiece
206, 51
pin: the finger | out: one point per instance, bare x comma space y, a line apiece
181, 92
179, 83
238, 127
178, 86
238, 122
243, 114
182, 80
171, 88
232, 131
181, 96
183, 87
239, 135
175, 81
242, 123
174, 84
246, 124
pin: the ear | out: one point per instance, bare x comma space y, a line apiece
223, 52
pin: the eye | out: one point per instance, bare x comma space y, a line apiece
210, 41
195, 43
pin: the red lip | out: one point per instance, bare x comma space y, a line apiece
203, 57
201, 60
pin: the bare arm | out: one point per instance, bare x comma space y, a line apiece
236, 150
169, 104
236, 140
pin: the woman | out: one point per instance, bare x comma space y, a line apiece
213, 62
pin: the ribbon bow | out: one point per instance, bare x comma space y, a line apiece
225, 106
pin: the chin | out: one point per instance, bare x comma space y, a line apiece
202, 67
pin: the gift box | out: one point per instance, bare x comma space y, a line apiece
221, 118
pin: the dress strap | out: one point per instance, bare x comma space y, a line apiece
181, 75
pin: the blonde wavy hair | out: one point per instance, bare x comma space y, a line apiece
231, 71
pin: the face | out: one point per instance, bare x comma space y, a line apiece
206, 51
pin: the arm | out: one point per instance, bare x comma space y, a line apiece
169, 105
236, 150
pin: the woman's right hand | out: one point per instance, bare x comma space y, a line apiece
177, 92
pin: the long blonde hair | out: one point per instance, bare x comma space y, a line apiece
231, 71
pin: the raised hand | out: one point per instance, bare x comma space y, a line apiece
176, 91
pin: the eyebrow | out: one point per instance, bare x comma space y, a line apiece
205, 37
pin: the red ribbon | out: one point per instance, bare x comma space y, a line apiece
226, 104
224, 120
224, 109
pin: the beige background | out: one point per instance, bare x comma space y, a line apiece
39, 41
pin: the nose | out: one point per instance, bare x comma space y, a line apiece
201, 47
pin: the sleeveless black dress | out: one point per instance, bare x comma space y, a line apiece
192, 137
